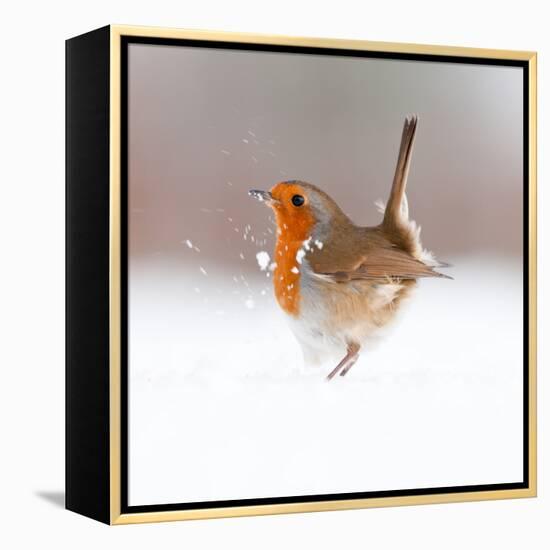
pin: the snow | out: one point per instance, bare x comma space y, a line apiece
191, 245
222, 406
263, 259
306, 247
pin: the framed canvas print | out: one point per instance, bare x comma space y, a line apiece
256, 323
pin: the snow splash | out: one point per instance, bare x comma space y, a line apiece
263, 259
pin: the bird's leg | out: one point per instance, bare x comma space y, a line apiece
350, 364
348, 361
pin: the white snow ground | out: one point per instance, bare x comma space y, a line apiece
221, 406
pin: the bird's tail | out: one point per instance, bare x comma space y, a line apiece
396, 212
404, 232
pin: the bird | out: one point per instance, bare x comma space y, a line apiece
339, 283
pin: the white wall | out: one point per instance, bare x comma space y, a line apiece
32, 289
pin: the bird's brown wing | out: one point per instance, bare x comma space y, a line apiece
389, 263
378, 262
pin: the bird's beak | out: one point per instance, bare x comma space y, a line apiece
262, 196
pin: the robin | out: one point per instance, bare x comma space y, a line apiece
339, 282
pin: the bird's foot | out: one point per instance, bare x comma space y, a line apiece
346, 363
347, 368
334, 371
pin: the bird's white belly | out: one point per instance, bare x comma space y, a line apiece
332, 315
312, 331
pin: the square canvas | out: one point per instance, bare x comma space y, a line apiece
224, 403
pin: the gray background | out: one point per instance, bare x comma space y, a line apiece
333, 121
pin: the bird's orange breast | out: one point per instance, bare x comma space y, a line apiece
286, 280
294, 226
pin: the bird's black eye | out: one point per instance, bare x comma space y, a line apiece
298, 200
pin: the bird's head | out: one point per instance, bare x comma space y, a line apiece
301, 209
